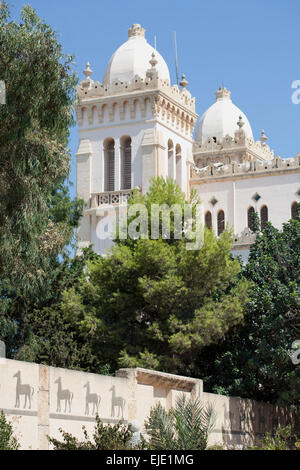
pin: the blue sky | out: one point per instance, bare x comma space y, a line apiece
251, 46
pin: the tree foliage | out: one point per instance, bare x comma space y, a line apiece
282, 439
50, 337
156, 304
34, 157
37, 215
163, 194
8, 441
254, 361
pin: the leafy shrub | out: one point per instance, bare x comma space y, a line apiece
105, 437
7, 439
184, 427
281, 440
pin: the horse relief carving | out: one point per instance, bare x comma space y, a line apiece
63, 395
118, 402
91, 398
23, 389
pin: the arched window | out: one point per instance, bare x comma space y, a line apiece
251, 213
208, 220
178, 165
170, 159
263, 217
294, 210
221, 222
126, 162
109, 165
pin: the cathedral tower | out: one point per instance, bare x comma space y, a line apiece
133, 126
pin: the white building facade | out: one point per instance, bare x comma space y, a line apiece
134, 126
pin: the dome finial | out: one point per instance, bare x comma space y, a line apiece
183, 82
153, 61
88, 72
136, 31
263, 138
152, 73
240, 122
222, 93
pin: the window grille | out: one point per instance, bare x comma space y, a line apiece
208, 219
221, 222
263, 217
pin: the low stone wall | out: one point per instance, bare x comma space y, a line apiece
39, 400
241, 423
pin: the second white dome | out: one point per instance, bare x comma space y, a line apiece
221, 119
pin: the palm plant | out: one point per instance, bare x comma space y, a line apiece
184, 427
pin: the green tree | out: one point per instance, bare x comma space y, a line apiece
34, 157
163, 194
156, 304
254, 361
41, 333
37, 215
49, 337
186, 426
255, 222
7, 439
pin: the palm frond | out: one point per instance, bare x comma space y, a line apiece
184, 427
160, 428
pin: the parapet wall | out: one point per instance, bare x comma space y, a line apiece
247, 169
39, 400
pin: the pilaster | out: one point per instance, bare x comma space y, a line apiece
43, 407
131, 376
84, 156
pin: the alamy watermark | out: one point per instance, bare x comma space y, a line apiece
2, 92
295, 355
296, 94
134, 222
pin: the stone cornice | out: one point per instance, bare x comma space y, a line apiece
162, 380
129, 97
164, 107
168, 103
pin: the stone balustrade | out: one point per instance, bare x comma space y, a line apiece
114, 198
219, 169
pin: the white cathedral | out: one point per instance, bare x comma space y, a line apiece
135, 125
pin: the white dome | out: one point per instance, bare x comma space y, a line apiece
221, 119
132, 58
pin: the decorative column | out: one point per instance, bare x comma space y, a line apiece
153, 157
233, 218
117, 165
197, 390
161, 152
84, 158
149, 159
43, 407
131, 376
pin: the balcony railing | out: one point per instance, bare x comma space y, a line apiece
114, 198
